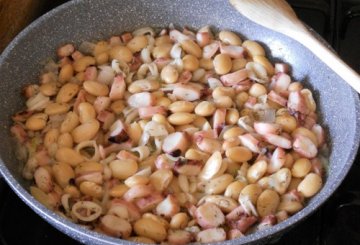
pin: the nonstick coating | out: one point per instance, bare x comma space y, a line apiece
82, 20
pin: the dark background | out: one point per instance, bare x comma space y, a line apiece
336, 222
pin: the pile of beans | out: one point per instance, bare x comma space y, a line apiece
170, 136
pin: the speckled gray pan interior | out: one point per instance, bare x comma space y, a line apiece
82, 20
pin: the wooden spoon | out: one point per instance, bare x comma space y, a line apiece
277, 15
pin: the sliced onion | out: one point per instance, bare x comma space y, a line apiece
178, 63
144, 172
244, 122
145, 68
92, 209
247, 205
143, 152
65, 202
144, 139
158, 143
151, 43
132, 116
257, 72
153, 70
145, 55
37, 102
120, 67
176, 51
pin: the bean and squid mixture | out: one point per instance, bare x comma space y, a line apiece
170, 137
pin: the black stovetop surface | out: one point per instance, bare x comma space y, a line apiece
336, 222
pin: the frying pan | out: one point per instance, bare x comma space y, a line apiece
81, 20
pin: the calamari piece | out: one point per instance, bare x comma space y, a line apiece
185, 77
90, 73
122, 155
163, 162
187, 92
277, 98
243, 86
86, 211
148, 203
148, 111
107, 118
138, 191
277, 160
177, 36
176, 143
304, 146
317, 166
267, 222
118, 88
233, 51
208, 145
143, 99
105, 151
266, 128
282, 67
210, 50
278, 140
226, 204
188, 167
118, 132
168, 207
280, 82
106, 74
19, 133
136, 62
320, 134
297, 103
249, 141
234, 233
204, 36
133, 212
235, 78
22, 116
219, 120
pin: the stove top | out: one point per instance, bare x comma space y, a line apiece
337, 222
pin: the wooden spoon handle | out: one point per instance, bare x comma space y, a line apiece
330, 59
